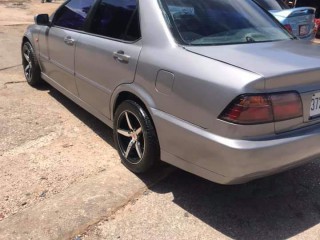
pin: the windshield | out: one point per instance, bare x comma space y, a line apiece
218, 22
272, 4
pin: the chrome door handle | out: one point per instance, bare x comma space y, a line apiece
121, 57
69, 41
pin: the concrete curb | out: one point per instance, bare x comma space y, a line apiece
69, 213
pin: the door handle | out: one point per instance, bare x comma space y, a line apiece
121, 57
69, 41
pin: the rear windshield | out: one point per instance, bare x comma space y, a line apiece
272, 4
219, 22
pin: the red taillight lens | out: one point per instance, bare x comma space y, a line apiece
249, 110
286, 106
288, 27
265, 108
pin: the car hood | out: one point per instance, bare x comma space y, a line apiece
266, 59
294, 12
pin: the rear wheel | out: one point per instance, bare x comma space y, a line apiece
30, 65
135, 137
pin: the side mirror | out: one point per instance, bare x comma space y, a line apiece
42, 19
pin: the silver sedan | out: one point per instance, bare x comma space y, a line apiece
215, 87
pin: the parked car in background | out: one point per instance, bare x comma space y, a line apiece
215, 87
299, 21
310, 3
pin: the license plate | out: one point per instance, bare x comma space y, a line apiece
303, 30
315, 105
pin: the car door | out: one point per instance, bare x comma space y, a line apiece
107, 56
62, 37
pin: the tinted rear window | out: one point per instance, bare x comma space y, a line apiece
216, 22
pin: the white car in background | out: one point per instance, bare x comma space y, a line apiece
299, 21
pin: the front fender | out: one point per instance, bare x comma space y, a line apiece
32, 35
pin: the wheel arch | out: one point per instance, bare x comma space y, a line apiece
131, 92
26, 38
125, 95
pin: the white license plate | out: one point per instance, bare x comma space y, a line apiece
303, 30
315, 105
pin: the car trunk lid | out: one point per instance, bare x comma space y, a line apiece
285, 66
282, 63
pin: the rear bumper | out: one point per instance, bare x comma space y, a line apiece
230, 161
308, 37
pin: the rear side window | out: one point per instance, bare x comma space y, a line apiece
73, 14
117, 19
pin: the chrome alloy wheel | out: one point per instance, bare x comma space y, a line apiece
130, 137
27, 64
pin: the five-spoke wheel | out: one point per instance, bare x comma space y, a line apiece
130, 137
30, 65
135, 137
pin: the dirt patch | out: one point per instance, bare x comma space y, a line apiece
22, 12
17, 5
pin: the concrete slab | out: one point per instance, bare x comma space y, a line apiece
10, 38
71, 212
59, 171
184, 206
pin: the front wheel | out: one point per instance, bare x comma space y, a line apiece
30, 65
135, 137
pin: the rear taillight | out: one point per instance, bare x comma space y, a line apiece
286, 106
249, 110
264, 108
288, 27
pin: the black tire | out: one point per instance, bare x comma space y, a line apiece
144, 153
30, 65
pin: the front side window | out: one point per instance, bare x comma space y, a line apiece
73, 14
218, 22
117, 19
